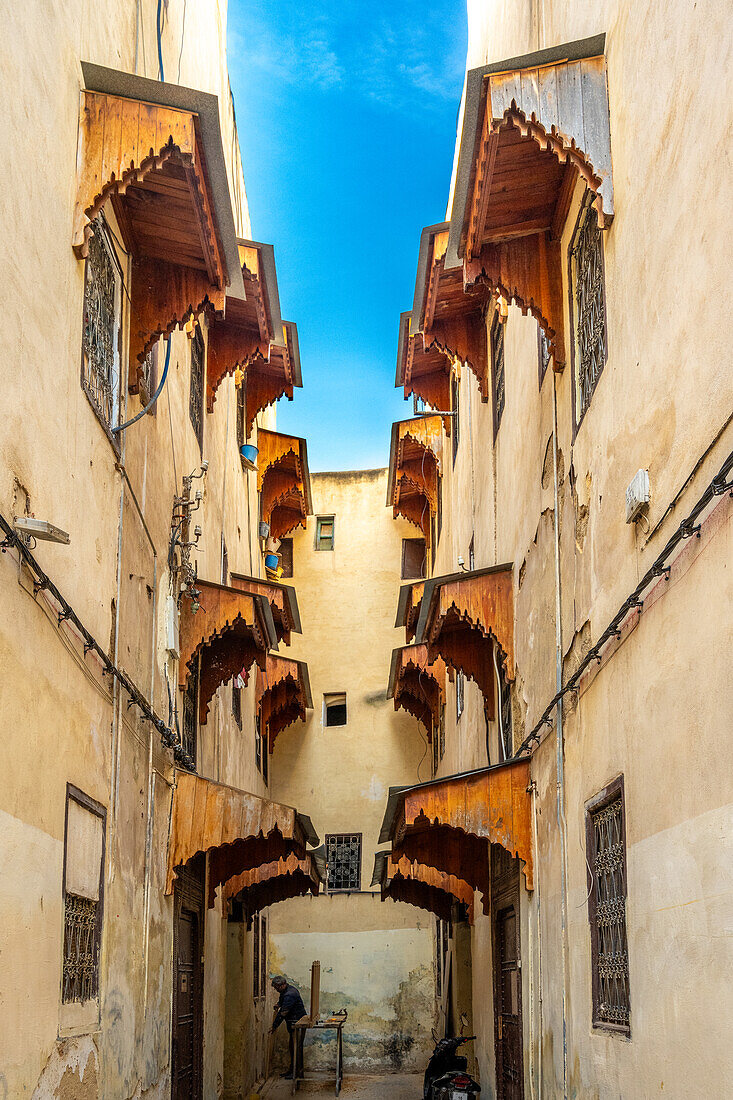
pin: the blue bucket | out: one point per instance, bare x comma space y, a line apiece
249, 454
272, 561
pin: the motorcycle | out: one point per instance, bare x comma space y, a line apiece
445, 1076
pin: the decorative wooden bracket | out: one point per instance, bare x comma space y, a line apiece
464, 337
419, 686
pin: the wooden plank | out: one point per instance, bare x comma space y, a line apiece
569, 103
548, 110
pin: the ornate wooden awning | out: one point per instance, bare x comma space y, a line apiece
281, 597
271, 377
408, 607
414, 466
462, 616
270, 883
422, 886
238, 830
282, 695
417, 685
423, 368
230, 630
533, 126
283, 482
149, 161
250, 326
450, 823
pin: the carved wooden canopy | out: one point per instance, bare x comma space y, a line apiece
422, 886
423, 368
450, 823
418, 685
273, 375
237, 829
462, 616
414, 466
283, 482
149, 162
281, 597
408, 607
250, 326
230, 631
530, 133
270, 883
282, 695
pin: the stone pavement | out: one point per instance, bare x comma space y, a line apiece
393, 1086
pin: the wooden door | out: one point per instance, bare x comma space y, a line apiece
188, 986
507, 978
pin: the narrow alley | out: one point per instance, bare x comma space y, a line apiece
349, 750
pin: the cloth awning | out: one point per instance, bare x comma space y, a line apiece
408, 607
153, 150
283, 482
250, 326
417, 684
414, 466
238, 830
533, 126
422, 886
451, 823
229, 631
282, 695
462, 616
270, 883
281, 597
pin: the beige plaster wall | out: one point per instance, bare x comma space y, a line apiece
61, 719
376, 958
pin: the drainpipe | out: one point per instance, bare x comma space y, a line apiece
560, 744
533, 789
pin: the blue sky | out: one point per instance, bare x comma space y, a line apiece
346, 115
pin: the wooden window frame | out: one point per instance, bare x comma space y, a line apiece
319, 521
98, 810
404, 575
609, 794
585, 210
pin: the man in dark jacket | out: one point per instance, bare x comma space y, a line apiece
290, 1008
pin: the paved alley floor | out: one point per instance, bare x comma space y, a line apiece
397, 1086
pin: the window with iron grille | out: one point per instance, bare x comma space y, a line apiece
256, 967
587, 307
237, 702
263, 955
460, 694
606, 842
84, 842
343, 858
455, 409
506, 747
497, 370
543, 353
439, 740
100, 363
196, 395
258, 745
189, 717
241, 411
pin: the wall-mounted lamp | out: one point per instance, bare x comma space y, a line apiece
40, 529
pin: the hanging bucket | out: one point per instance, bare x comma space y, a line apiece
271, 562
272, 545
249, 456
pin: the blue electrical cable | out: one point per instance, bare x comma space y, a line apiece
160, 44
155, 396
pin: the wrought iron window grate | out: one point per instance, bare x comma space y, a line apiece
190, 714
610, 955
497, 360
590, 307
81, 950
343, 857
99, 367
196, 397
506, 718
543, 351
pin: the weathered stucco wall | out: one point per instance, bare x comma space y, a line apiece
376, 958
61, 720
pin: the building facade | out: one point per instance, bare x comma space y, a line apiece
140, 617
575, 500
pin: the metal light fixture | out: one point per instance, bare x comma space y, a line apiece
40, 529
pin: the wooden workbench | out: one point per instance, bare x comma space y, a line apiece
331, 1023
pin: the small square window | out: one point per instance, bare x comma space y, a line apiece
343, 860
334, 709
414, 558
324, 532
286, 557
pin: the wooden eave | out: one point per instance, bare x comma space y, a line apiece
426, 888
282, 599
282, 695
251, 325
239, 831
408, 607
148, 161
417, 684
450, 823
463, 616
270, 883
533, 127
424, 368
273, 375
283, 482
230, 631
